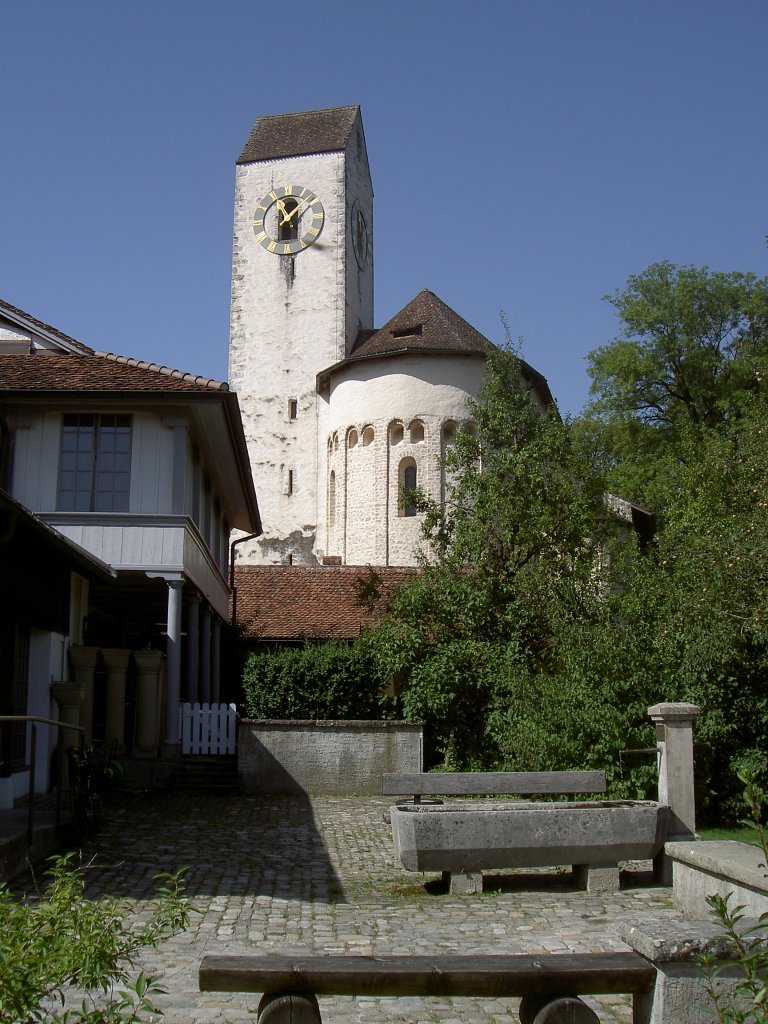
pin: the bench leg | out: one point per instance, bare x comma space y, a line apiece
597, 877
556, 1010
462, 883
288, 1009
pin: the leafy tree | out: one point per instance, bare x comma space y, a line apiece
694, 345
512, 554
62, 949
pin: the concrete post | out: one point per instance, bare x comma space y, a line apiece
193, 646
84, 662
173, 669
205, 656
69, 697
674, 740
116, 662
216, 660
147, 732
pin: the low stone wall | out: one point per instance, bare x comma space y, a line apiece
326, 757
702, 869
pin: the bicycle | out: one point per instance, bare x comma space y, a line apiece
84, 797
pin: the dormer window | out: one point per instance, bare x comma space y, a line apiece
407, 332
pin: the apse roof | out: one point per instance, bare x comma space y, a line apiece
427, 326
309, 131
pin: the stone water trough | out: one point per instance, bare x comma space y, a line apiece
462, 838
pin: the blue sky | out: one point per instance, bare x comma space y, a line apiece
526, 156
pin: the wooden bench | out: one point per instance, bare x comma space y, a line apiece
548, 984
419, 784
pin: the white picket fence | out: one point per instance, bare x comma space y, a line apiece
208, 728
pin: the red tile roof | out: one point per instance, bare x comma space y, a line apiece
292, 602
97, 372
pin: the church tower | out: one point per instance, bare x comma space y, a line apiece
302, 291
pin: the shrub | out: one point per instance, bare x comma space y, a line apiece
61, 948
331, 680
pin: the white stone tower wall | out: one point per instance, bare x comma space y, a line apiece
291, 318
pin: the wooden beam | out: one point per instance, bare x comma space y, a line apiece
484, 975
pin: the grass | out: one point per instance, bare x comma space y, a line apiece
741, 833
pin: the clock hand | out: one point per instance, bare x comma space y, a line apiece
288, 217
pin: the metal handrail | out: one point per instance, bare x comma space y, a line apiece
34, 721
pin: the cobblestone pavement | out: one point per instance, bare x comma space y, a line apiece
289, 875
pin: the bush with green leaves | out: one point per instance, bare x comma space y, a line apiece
66, 959
332, 680
746, 943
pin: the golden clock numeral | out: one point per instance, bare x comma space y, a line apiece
273, 196
287, 249
261, 236
272, 247
313, 231
288, 190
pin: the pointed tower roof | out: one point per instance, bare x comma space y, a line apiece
310, 131
427, 326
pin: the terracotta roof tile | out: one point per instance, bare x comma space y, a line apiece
309, 131
281, 602
97, 372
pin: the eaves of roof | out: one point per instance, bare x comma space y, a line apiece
22, 319
88, 564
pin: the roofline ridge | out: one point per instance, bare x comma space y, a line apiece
169, 371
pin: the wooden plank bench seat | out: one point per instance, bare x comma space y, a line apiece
549, 984
420, 784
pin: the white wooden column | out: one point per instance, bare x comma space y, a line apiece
216, 660
193, 646
205, 655
173, 667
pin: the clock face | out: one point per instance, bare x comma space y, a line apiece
288, 219
361, 238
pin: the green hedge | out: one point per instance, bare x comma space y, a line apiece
331, 680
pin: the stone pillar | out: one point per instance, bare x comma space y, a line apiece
216, 660
147, 734
84, 661
674, 948
173, 669
205, 656
193, 646
674, 740
116, 662
69, 697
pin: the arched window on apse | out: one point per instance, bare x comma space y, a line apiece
396, 432
408, 482
332, 500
